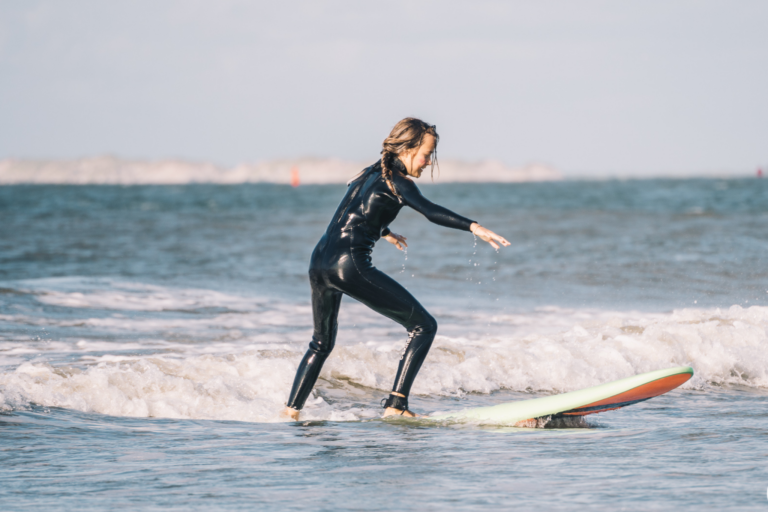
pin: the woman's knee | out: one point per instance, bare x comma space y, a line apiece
321, 346
425, 323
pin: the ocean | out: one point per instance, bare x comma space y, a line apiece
149, 336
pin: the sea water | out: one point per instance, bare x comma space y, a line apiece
149, 336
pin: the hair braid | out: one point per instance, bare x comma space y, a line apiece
386, 171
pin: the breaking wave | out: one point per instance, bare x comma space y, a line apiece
246, 375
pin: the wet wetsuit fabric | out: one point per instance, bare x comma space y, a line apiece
341, 264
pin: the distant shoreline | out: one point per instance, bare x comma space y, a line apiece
109, 170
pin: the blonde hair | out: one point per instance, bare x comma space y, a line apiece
406, 135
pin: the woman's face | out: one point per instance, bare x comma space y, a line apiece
416, 160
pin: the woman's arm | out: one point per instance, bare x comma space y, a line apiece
433, 212
443, 216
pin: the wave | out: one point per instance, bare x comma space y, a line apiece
107, 170
246, 376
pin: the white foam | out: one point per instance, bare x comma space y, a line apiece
250, 382
115, 171
724, 347
205, 387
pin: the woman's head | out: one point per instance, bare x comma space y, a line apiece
414, 143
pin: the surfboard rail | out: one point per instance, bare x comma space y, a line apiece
601, 398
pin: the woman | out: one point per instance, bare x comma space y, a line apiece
341, 262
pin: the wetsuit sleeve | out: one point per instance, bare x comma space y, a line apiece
433, 212
385, 231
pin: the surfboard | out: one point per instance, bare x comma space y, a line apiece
605, 397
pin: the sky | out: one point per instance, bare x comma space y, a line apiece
589, 87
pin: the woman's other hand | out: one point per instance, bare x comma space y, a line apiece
397, 240
486, 235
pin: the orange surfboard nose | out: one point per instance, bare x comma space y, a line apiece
638, 394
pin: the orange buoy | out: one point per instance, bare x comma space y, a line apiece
295, 177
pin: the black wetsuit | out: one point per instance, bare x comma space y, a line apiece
341, 264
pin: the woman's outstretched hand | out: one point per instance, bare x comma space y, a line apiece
396, 240
486, 235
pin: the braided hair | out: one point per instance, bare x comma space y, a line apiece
408, 134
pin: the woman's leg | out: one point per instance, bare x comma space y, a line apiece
325, 311
387, 297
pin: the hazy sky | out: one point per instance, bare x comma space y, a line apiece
586, 86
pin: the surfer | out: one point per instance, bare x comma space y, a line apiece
341, 261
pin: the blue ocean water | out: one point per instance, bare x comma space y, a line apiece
149, 336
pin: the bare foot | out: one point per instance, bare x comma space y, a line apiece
391, 411
291, 413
